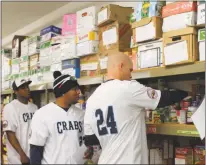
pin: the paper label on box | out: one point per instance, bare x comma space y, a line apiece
102, 15
149, 58
176, 52
70, 71
90, 66
109, 36
103, 63
145, 33
201, 14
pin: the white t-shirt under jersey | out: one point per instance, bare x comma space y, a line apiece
115, 114
17, 118
60, 133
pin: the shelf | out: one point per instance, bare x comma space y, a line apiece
90, 80
169, 71
38, 87
173, 129
6, 92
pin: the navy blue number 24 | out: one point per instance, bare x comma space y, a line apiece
110, 123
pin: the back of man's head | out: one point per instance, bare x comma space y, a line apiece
119, 66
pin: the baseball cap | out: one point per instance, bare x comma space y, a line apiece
18, 83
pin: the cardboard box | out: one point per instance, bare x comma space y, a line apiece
71, 67
16, 45
187, 19
89, 65
25, 47
56, 67
48, 36
115, 36
87, 36
201, 40
201, 14
148, 9
87, 18
111, 13
56, 54
199, 157
178, 8
49, 29
147, 29
180, 46
87, 48
33, 61
150, 54
69, 24
15, 68
45, 49
6, 53
24, 64
68, 49
34, 45
184, 155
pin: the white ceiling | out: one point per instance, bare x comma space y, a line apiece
16, 15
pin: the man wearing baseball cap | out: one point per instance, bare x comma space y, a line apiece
17, 116
57, 128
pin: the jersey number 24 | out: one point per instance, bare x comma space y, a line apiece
110, 123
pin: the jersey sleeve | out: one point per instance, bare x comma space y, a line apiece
10, 120
143, 96
87, 123
39, 131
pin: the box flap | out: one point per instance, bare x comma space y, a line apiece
185, 31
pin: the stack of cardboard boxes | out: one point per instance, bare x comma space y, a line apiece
87, 40
6, 55
114, 32
179, 38
147, 33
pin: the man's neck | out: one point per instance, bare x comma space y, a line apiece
23, 100
62, 104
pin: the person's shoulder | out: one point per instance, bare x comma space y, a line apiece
10, 106
44, 110
34, 106
77, 110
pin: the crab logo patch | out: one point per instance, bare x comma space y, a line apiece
5, 124
152, 93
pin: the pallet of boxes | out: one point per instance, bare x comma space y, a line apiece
114, 32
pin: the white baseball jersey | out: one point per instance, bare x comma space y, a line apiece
17, 118
115, 114
61, 134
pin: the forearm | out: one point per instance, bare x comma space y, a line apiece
36, 154
90, 140
14, 142
171, 97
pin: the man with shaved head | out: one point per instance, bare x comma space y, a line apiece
115, 114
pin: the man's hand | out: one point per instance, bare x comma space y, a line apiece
24, 159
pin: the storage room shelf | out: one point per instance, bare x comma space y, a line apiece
90, 80
173, 129
169, 71
6, 92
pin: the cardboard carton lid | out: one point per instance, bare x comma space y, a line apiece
144, 21
180, 32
